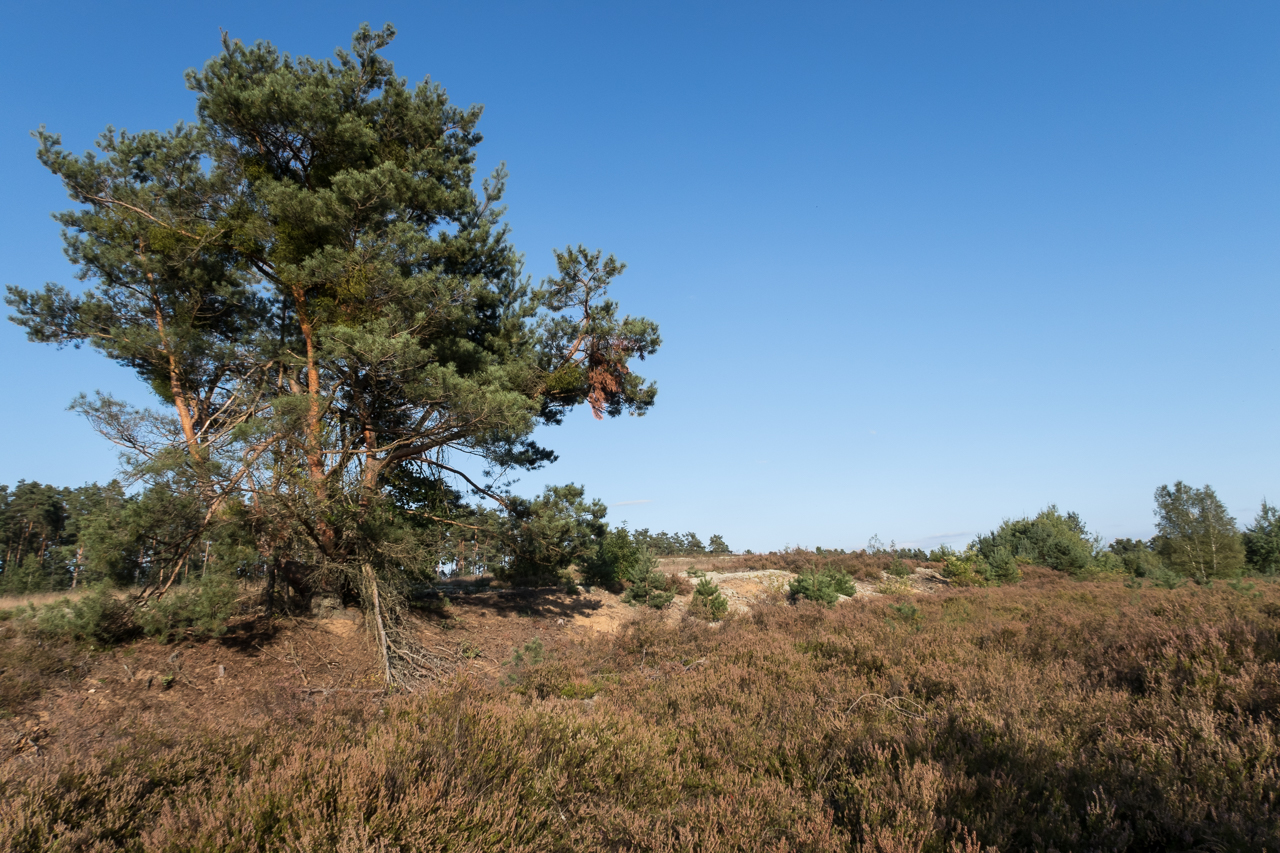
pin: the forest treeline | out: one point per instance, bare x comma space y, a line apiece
1196, 538
663, 544
59, 538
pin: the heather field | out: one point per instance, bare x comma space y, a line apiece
360, 547
1055, 714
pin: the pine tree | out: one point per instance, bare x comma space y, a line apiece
1262, 541
333, 315
707, 602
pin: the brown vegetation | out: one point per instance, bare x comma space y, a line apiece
1051, 715
860, 565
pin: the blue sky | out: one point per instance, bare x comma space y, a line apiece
919, 267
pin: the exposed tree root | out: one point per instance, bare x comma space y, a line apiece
406, 663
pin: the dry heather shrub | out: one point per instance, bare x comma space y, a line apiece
32, 665
1053, 715
1069, 716
859, 565
681, 585
463, 769
39, 599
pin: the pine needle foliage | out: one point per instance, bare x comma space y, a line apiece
707, 602
100, 617
1049, 539
825, 586
198, 611
1262, 541
345, 350
646, 585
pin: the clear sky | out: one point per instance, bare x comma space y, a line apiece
919, 267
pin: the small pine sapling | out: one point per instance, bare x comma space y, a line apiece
841, 582
648, 586
707, 602
532, 653
651, 590
813, 586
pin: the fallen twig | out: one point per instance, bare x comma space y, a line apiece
284, 660
890, 702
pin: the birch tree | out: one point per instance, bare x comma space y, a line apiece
1195, 535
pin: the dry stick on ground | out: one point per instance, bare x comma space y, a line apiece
293, 658
320, 654
284, 660
430, 667
891, 704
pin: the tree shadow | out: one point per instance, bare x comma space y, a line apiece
546, 602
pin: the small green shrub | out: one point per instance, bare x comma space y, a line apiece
1002, 567
547, 535
1243, 587
1262, 542
98, 617
895, 586
841, 582
532, 653
522, 661
942, 554
1134, 556
1166, 578
899, 569
707, 602
812, 586
534, 671
1050, 539
963, 569
972, 568
825, 586
613, 561
647, 585
907, 612
200, 611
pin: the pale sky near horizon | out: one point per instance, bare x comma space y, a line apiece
919, 267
